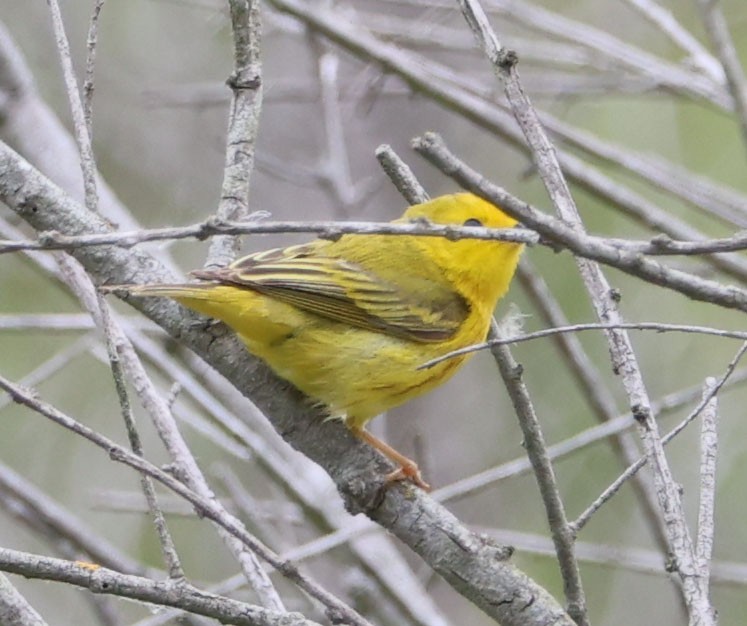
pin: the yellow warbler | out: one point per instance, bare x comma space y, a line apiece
348, 322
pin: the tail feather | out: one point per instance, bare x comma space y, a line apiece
199, 291
244, 310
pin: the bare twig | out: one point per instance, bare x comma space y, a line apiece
15, 609
630, 471
53, 240
82, 135
401, 175
243, 125
159, 521
88, 82
718, 32
663, 19
551, 229
161, 593
81, 285
562, 534
659, 327
708, 457
660, 245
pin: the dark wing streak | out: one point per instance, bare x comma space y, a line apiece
365, 302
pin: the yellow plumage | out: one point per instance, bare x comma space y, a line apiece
349, 321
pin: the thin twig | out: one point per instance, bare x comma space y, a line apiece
82, 136
562, 534
81, 285
166, 541
594, 389
659, 327
552, 229
660, 245
718, 32
160, 593
53, 240
243, 125
582, 519
663, 19
15, 610
401, 175
708, 457
88, 82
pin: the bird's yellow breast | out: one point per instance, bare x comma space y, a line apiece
356, 373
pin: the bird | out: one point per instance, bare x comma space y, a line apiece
350, 321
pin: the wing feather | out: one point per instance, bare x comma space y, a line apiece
346, 292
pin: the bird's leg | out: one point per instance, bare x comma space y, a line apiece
408, 469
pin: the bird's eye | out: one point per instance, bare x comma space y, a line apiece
473, 222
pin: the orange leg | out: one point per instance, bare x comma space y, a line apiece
408, 469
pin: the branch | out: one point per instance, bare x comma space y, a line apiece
54, 240
243, 124
659, 327
552, 229
562, 535
718, 32
161, 593
14, 609
82, 131
59, 522
706, 524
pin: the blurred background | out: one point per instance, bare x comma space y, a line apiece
640, 105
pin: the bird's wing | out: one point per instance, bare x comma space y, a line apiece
345, 292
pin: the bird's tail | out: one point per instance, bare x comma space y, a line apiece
223, 302
197, 291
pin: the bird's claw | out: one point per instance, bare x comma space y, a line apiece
409, 472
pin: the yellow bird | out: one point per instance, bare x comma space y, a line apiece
348, 322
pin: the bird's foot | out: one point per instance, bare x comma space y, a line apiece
408, 471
